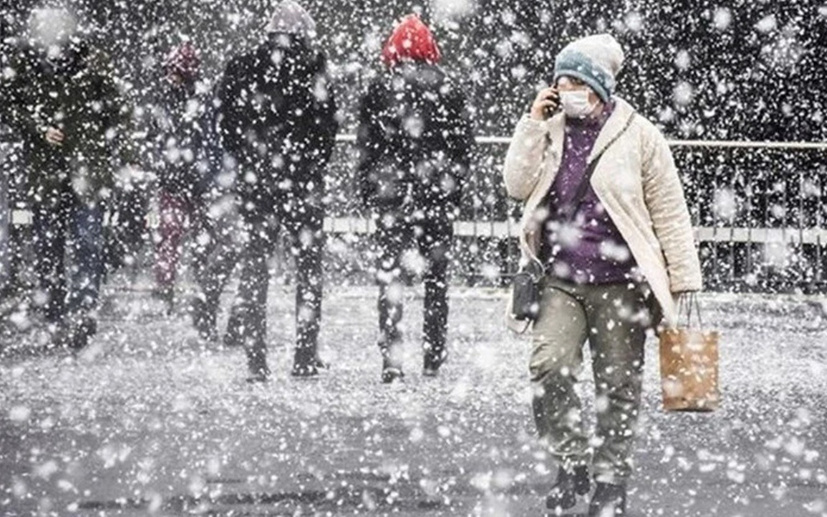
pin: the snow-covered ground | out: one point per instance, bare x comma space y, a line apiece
150, 420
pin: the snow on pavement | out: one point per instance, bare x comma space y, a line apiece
149, 419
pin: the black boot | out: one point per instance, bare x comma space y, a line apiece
257, 365
609, 500
167, 295
74, 333
87, 328
432, 361
60, 336
234, 337
569, 484
305, 362
203, 319
390, 344
391, 371
391, 361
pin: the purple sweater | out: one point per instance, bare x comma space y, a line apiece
589, 249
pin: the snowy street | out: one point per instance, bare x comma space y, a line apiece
254, 258
147, 420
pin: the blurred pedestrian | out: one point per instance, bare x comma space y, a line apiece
64, 105
222, 237
414, 142
5, 216
613, 234
177, 134
7, 48
278, 121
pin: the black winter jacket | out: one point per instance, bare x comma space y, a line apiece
415, 140
278, 120
76, 93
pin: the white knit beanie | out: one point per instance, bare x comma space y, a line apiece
595, 60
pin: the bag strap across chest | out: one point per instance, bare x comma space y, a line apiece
569, 210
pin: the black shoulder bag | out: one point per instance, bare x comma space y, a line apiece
525, 287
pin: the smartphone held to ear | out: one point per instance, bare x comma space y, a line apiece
551, 110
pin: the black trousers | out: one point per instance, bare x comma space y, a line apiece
251, 243
397, 235
63, 222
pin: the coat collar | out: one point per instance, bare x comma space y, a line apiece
614, 125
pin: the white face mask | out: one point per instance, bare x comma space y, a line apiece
576, 103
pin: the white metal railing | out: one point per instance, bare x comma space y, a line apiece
511, 228
734, 144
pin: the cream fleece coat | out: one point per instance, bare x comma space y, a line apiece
637, 183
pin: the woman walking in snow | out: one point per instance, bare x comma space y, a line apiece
604, 247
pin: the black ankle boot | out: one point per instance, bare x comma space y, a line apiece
234, 337
305, 362
203, 316
391, 365
75, 333
432, 361
390, 347
87, 328
569, 484
257, 366
609, 500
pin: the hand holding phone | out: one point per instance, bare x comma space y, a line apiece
545, 104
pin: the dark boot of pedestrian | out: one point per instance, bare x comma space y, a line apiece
391, 361
74, 333
203, 316
391, 371
306, 363
609, 500
570, 483
234, 337
433, 359
86, 328
257, 364
165, 294
320, 363
59, 336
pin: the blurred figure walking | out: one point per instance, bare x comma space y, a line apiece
64, 105
178, 134
278, 120
415, 140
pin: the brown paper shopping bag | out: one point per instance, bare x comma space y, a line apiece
689, 364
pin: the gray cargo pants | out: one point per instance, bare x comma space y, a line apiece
613, 319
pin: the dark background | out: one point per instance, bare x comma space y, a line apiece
733, 70
750, 80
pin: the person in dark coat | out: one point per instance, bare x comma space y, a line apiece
64, 104
278, 121
7, 48
180, 162
414, 140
